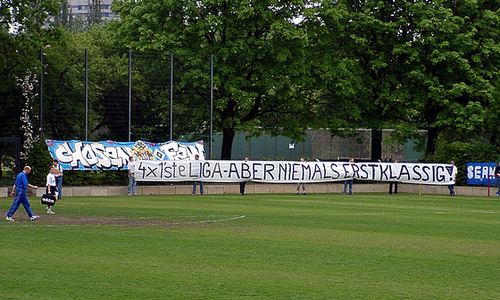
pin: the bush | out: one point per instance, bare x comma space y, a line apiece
462, 153
40, 161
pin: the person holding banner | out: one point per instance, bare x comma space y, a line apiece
395, 183
197, 157
131, 177
243, 183
497, 175
302, 160
451, 187
349, 182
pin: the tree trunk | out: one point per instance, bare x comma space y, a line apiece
227, 143
376, 144
432, 134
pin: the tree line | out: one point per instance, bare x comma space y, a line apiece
280, 67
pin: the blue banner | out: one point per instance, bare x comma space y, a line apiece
111, 155
479, 172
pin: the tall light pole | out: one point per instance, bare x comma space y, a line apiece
211, 104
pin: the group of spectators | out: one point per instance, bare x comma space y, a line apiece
53, 188
55, 181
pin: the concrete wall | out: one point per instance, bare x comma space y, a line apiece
259, 188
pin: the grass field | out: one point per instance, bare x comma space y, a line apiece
326, 246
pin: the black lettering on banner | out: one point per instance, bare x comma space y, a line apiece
168, 171
317, 172
174, 169
335, 172
255, 169
217, 170
374, 168
233, 169
383, 172
325, 172
440, 174
191, 171
450, 172
306, 167
245, 171
355, 169
363, 169
425, 169
141, 169
151, 172
416, 170
282, 170
404, 172
294, 171
346, 171
392, 172
205, 170
268, 171
182, 170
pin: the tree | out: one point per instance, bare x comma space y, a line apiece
417, 64
458, 69
23, 30
95, 13
259, 57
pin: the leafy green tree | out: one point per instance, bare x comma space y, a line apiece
23, 30
259, 59
64, 86
411, 65
458, 69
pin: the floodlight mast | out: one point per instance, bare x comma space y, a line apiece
171, 92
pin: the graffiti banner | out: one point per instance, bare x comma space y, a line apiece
286, 172
110, 155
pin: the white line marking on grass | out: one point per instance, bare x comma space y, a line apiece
219, 220
346, 214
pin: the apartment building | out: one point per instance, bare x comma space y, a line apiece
83, 8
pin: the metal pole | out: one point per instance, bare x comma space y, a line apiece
171, 93
211, 104
41, 92
86, 94
129, 94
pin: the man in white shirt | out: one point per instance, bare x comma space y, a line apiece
131, 177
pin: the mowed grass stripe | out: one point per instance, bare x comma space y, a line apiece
329, 246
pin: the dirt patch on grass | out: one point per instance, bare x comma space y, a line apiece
21, 217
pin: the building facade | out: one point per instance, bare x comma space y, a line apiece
84, 8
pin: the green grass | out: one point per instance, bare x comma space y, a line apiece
327, 246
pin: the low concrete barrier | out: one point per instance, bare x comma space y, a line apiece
259, 188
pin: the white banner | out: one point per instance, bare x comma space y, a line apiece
288, 171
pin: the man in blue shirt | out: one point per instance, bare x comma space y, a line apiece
19, 191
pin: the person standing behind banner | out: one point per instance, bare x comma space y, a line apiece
131, 177
59, 178
302, 160
51, 187
19, 191
395, 183
451, 187
497, 175
349, 182
243, 183
197, 157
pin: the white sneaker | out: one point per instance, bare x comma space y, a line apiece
50, 212
34, 217
10, 219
